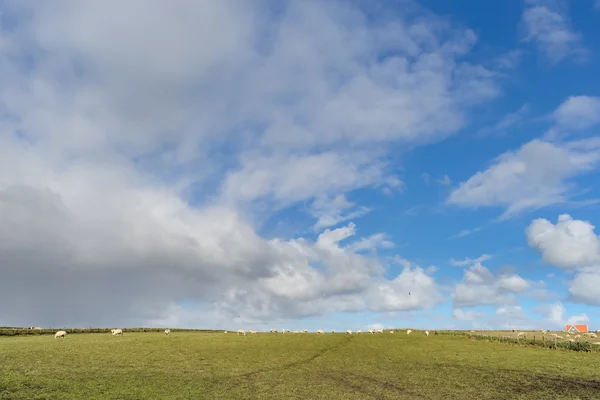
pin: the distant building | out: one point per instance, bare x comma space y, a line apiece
577, 328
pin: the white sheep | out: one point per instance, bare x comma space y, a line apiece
305, 331
427, 333
320, 332
283, 331
241, 332
333, 331
408, 332
116, 332
296, 332
61, 334
391, 331
521, 334
167, 332
349, 332
225, 332
359, 332
371, 331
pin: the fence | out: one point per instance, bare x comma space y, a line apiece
535, 340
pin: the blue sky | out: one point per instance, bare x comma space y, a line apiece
301, 164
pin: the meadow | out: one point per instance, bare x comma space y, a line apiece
195, 365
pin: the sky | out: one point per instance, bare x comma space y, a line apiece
300, 164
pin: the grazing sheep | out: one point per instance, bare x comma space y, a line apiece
349, 332
380, 331
296, 332
283, 331
167, 332
61, 334
427, 333
305, 331
359, 332
241, 332
116, 332
320, 332
521, 334
391, 331
408, 332
225, 332
333, 331
593, 335
371, 331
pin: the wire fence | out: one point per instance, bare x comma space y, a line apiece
547, 341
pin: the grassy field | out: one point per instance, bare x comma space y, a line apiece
190, 365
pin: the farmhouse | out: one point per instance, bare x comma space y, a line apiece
576, 328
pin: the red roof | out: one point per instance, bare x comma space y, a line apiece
577, 328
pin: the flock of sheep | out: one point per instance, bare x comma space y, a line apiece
115, 332
242, 332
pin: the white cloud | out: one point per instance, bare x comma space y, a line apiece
577, 112
512, 317
548, 24
426, 178
403, 261
468, 315
567, 244
444, 181
468, 261
570, 244
555, 315
509, 60
510, 120
578, 319
583, 288
535, 176
138, 160
332, 211
412, 289
482, 287
465, 232
377, 240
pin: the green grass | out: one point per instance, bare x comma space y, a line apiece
190, 365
